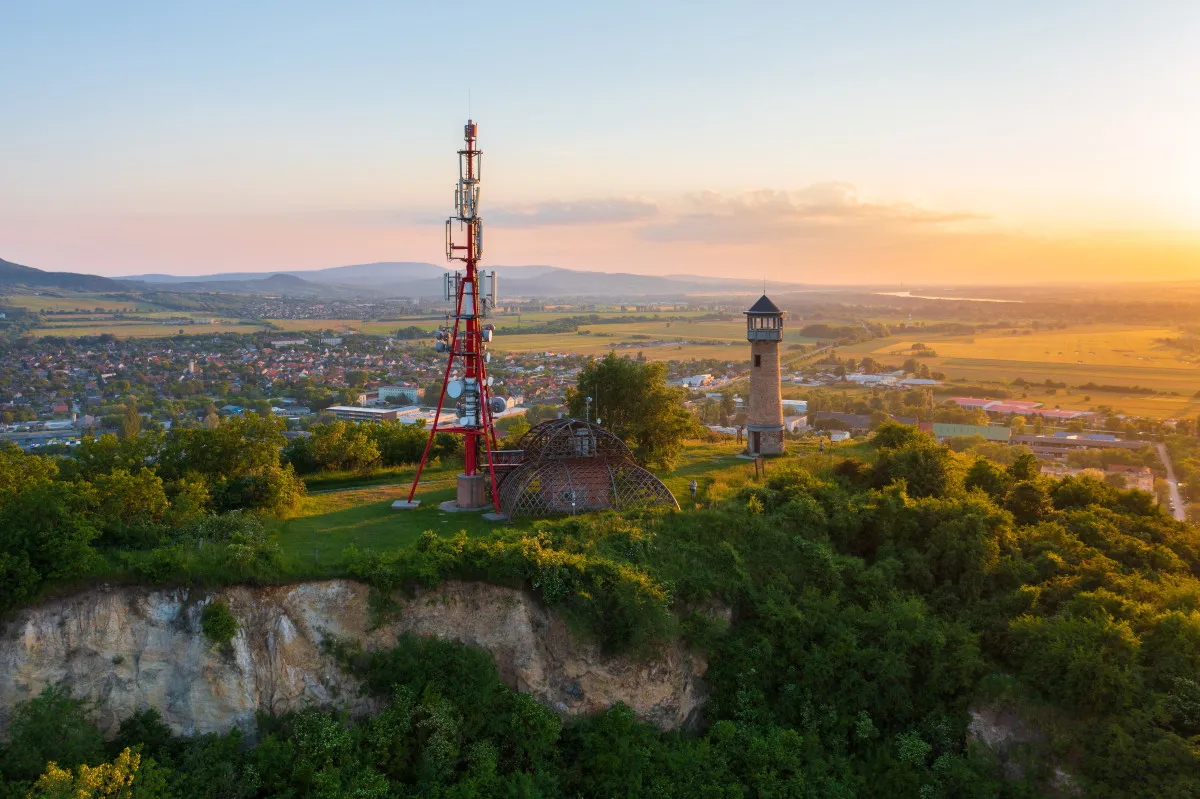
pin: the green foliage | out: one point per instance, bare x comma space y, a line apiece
871, 606
52, 726
988, 478
218, 623
617, 603
634, 401
926, 468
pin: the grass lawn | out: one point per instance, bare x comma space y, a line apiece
330, 521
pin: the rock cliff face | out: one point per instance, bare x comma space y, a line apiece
131, 648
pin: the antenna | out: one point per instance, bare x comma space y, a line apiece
471, 293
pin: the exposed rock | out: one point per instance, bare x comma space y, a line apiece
132, 648
1002, 729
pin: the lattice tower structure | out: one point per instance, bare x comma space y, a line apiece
472, 292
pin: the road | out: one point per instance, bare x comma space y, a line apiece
1177, 509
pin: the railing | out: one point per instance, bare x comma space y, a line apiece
508, 458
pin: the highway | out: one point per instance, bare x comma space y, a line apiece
1177, 509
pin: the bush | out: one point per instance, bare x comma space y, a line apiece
52, 726
218, 623
619, 604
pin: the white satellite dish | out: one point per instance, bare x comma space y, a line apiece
454, 389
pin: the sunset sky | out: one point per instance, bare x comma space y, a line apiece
814, 142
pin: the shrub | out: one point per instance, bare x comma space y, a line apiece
619, 604
51, 726
218, 623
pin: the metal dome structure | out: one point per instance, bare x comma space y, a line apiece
572, 466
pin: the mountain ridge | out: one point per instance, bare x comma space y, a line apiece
397, 279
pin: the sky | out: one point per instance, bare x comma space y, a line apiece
851, 142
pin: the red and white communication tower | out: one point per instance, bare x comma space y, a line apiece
473, 294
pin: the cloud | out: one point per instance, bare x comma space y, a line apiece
819, 211
583, 212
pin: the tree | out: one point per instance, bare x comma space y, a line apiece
105, 781
1028, 501
53, 726
1025, 467
512, 436
924, 465
128, 506
988, 478
431, 395
893, 435
399, 443
637, 405
131, 422
45, 534
19, 471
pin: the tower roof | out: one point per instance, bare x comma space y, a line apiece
764, 306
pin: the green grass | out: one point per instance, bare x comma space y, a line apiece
86, 303
328, 524
360, 514
330, 520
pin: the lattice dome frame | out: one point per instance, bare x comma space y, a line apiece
571, 466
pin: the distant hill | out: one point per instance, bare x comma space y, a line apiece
417, 279
362, 275
282, 284
17, 275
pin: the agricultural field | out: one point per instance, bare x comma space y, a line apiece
659, 341
84, 303
339, 325
1118, 355
133, 329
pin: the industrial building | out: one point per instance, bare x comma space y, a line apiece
943, 430
357, 413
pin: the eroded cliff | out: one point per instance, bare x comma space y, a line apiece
128, 648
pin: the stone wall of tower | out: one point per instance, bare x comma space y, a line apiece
765, 414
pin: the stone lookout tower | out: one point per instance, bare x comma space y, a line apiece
764, 418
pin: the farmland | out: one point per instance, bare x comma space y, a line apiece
677, 339
140, 329
1114, 355
84, 303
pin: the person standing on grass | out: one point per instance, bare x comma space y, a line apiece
692, 488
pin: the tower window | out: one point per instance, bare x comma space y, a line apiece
758, 360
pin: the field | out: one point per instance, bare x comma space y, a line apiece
340, 325
659, 341
1117, 355
141, 329
85, 303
